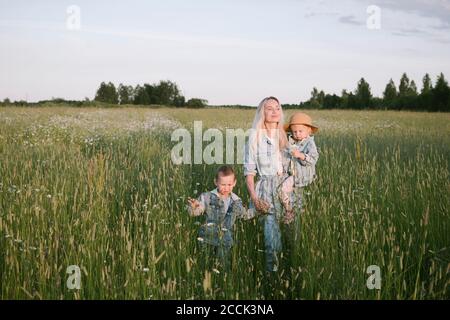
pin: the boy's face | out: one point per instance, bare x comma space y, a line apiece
300, 131
225, 184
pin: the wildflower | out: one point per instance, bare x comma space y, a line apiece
49, 196
145, 270
200, 239
215, 270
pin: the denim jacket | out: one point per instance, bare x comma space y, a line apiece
262, 156
304, 171
220, 217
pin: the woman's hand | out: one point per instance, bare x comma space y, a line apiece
261, 205
289, 217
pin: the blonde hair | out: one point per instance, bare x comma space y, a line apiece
258, 122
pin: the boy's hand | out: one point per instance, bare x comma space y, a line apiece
194, 203
298, 154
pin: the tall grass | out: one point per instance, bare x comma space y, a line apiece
97, 189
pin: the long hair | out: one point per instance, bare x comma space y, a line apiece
259, 128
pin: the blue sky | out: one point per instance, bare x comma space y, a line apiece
228, 52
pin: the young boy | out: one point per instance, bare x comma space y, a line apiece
221, 207
303, 155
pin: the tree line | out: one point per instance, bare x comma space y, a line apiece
404, 97
163, 93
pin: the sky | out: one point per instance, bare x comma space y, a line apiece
225, 51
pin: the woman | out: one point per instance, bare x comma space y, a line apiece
264, 159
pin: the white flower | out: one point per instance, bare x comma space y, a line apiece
215, 270
145, 270
49, 196
200, 239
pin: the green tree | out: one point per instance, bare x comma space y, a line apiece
441, 95
403, 88
426, 84
125, 94
412, 90
344, 99
363, 94
107, 93
425, 99
407, 94
352, 102
141, 96
331, 101
166, 93
316, 97
179, 101
197, 103
390, 95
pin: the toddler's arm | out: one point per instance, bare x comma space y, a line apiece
241, 211
311, 156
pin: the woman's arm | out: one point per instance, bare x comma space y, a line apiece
261, 206
250, 181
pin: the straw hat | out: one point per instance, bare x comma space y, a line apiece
300, 118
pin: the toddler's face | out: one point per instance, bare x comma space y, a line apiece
225, 184
300, 131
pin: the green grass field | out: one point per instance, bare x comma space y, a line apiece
96, 188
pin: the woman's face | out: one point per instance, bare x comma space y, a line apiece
272, 111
